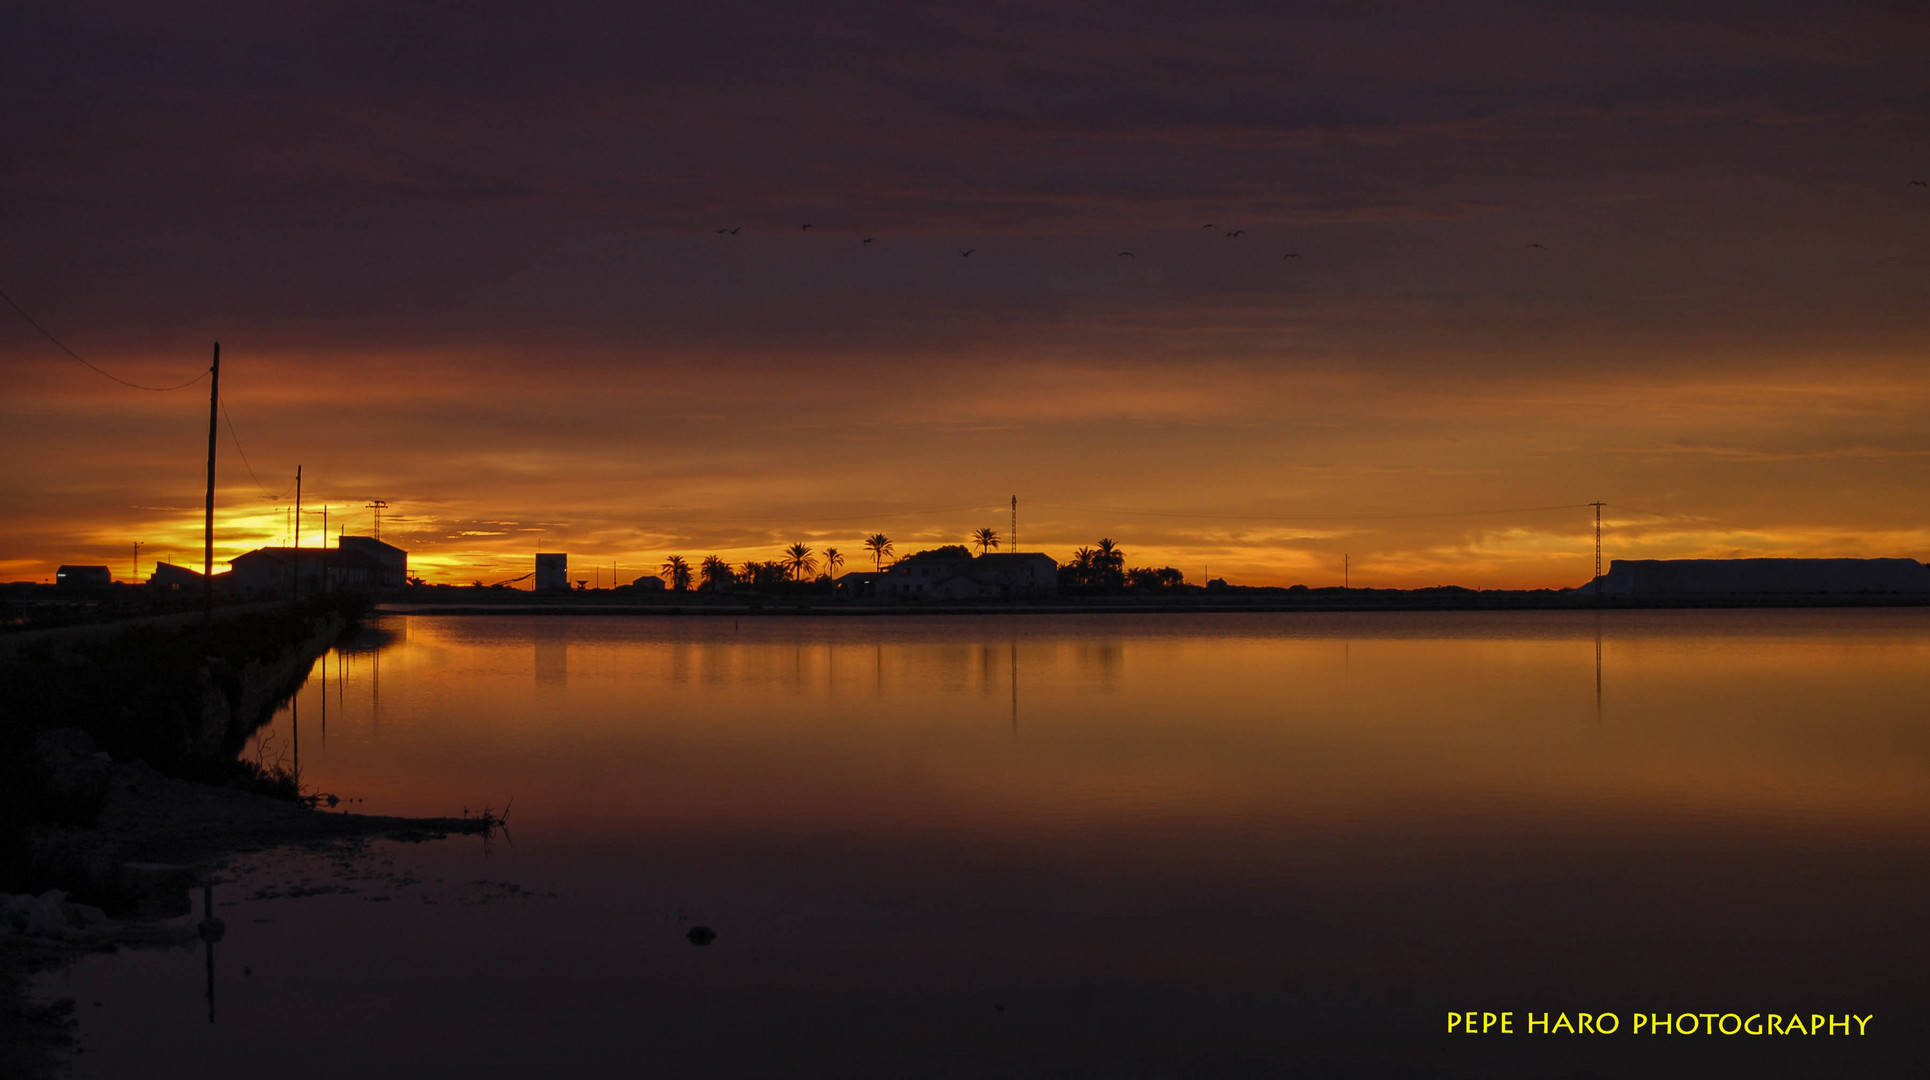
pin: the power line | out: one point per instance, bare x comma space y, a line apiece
31, 321
679, 518
1311, 517
244, 455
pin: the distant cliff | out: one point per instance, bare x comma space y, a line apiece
1728, 577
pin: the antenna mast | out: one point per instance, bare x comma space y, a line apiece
1598, 540
378, 506
1015, 523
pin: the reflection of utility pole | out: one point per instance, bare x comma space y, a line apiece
209, 930
378, 506
1598, 667
1015, 688
298, 532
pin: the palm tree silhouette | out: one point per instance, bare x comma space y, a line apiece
1109, 560
678, 571
716, 573
986, 539
880, 546
832, 562
1082, 566
798, 560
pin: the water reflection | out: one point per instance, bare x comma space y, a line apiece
552, 637
1216, 831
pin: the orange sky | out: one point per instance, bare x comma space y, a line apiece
475, 271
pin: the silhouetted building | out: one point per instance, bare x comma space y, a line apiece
552, 572
1726, 577
953, 573
83, 576
860, 584
366, 560
649, 583
166, 575
356, 564
1015, 573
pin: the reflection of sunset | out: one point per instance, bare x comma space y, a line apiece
1277, 722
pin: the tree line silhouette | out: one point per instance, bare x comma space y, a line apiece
1098, 568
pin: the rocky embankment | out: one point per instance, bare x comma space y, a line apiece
133, 841
120, 791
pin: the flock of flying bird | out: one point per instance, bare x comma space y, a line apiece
1231, 234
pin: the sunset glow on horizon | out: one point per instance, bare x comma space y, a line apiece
1406, 288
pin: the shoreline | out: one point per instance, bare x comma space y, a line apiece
1478, 602
127, 879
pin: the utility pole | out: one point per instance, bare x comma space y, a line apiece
378, 506
1015, 523
137, 561
1598, 543
298, 533
207, 526
1347, 572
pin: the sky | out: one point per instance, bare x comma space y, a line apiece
1409, 284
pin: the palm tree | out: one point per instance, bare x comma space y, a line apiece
1108, 553
832, 561
797, 559
880, 546
1081, 566
1109, 560
761, 575
678, 571
986, 539
716, 573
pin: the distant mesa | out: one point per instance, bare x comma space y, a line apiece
1762, 577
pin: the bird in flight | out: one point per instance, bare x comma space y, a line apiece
1291, 255
733, 232
1537, 246
1920, 183
1127, 255
966, 254
806, 226
1235, 232
1209, 225
868, 239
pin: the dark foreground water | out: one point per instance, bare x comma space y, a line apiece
1213, 845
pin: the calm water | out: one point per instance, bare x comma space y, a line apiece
1183, 845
